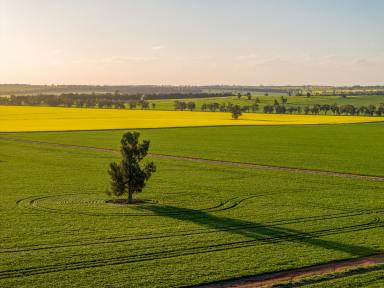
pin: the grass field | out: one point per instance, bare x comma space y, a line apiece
20, 118
349, 148
201, 222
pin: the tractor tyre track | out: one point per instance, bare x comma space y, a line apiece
164, 254
209, 161
194, 232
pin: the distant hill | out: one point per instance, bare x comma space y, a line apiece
26, 89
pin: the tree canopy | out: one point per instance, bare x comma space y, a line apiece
129, 175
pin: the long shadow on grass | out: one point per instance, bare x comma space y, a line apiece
263, 234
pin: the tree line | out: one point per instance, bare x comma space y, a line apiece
126, 101
78, 102
214, 107
342, 94
281, 108
104, 100
316, 109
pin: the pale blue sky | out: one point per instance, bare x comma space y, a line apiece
337, 42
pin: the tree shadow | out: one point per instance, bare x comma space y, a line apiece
264, 234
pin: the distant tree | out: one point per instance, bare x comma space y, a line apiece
108, 104
223, 108
52, 101
255, 107
90, 103
79, 103
129, 176
213, 106
347, 109
335, 109
191, 106
257, 100
68, 102
371, 110
204, 107
280, 109
229, 106
144, 105
361, 110
239, 95
249, 96
315, 109
180, 105
268, 109
236, 111
325, 108
153, 106
380, 110
275, 103
291, 109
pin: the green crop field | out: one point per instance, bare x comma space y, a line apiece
200, 222
191, 144
344, 148
358, 101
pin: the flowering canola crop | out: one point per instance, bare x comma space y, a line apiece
22, 118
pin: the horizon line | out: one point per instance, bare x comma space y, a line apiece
202, 85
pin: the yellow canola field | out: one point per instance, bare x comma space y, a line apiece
21, 118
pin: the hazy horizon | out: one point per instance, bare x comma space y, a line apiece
191, 85
176, 42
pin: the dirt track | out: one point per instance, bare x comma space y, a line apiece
271, 279
209, 161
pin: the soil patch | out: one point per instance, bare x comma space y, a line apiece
272, 279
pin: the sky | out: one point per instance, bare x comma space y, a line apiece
192, 42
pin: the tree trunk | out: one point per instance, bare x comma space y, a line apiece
129, 197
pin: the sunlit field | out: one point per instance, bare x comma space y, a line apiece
200, 222
18, 119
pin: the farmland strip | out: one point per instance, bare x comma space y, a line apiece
165, 254
210, 161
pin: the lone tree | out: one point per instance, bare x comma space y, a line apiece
236, 111
128, 176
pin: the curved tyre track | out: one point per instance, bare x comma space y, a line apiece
32, 203
194, 232
164, 253
209, 161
